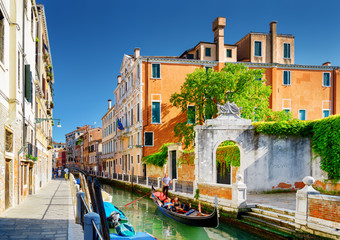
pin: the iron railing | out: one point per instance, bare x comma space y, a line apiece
184, 187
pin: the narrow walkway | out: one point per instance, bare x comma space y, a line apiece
281, 200
47, 215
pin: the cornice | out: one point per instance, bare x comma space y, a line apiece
179, 61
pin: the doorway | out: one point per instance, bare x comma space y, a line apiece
173, 165
144, 170
7, 177
30, 180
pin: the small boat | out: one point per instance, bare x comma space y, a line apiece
191, 217
109, 208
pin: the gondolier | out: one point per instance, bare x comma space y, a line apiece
166, 181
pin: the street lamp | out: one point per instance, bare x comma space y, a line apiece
39, 120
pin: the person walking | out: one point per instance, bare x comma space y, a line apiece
66, 173
59, 172
166, 182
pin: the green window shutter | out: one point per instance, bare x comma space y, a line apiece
28, 83
156, 71
191, 115
156, 112
229, 53
208, 52
258, 49
286, 50
326, 80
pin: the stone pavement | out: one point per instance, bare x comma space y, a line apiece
281, 200
47, 215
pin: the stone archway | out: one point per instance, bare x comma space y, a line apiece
227, 126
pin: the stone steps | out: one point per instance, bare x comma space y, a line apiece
276, 209
276, 219
266, 213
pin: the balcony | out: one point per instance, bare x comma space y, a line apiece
31, 152
107, 156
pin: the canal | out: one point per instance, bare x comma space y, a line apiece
144, 216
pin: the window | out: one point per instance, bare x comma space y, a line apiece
190, 56
208, 52
156, 112
156, 70
148, 139
138, 72
326, 113
131, 159
286, 50
302, 114
191, 115
138, 135
207, 69
258, 49
131, 115
2, 36
228, 53
286, 78
28, 83
326, 80
198, 54
137, 112
138, 161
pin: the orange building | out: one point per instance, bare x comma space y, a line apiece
147, 118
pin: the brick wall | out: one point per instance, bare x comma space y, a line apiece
325, 207
213, 190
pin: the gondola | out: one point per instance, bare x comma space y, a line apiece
204, 220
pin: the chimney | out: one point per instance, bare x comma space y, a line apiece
326, 64
109, 104
273, 34
119, 79
218, 29
137, 52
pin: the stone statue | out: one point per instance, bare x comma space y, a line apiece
229, 108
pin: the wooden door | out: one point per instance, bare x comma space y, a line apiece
173, 165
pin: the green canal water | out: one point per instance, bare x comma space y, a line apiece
144, 216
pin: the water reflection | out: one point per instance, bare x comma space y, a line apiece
144, 216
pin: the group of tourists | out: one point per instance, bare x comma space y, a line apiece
57, 172
171, 204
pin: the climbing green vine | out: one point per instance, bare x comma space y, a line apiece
324, 134
158, 158
228, 156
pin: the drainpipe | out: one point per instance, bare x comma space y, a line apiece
146, 101
23, 97
333, 86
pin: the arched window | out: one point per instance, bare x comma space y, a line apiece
227, 155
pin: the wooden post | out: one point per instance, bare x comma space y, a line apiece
132, 179
93, 199
101, 209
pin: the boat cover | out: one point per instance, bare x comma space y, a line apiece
138, 236
109, 208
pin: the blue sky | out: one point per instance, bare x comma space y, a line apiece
89, 38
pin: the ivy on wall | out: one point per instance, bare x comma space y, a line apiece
158, 158
324, 135
228, 156
188, 157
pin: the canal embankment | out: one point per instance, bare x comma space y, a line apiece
266, 226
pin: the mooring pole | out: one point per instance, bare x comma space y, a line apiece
132, 179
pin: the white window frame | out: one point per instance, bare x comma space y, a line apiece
153, 139
160, 71
283, 105
324, 108
290, 51
283, 78
255, 49
305, 114
323, 79
160, 112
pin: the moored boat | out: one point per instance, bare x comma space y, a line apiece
191, 217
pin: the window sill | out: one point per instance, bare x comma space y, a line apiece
148, 145
326, 86
287, 85
156, 123
156, 78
